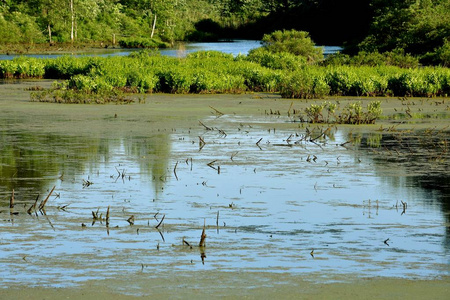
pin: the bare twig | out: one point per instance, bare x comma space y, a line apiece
203, 236
33, 207
217, 112
11, 200
159, 224
42, 205
206, 127
175, 170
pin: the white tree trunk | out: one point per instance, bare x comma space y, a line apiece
72, 20
49, 33
153, 28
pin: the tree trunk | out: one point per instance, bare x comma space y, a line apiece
49, 33
153, 28
72, 20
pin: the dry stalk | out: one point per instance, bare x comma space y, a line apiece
201, 143
175, 170
11, 200
42, 205
131, 220
107, 217
206, 127
33, 207
159, 224
217, 112
203, 236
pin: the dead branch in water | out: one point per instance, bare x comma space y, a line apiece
175, 170
186, 243
203, 236
42, 205
33, 207
206, 127
217, 112
201, 143
159, 224
107, 217
11, 200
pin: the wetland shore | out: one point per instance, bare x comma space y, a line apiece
241, 285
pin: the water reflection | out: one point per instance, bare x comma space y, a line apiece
327, 191
31, 162
415, 160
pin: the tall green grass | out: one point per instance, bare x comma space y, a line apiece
215, 72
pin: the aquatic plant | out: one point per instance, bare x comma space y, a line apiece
22, 67
353, 113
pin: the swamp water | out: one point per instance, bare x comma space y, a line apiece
274, 195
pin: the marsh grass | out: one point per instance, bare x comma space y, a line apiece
353, 113
216, 72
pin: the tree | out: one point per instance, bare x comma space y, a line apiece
417, 26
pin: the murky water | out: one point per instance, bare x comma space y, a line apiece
275, 196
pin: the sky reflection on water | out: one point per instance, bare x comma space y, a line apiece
276, 203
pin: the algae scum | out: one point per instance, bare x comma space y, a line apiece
271, 195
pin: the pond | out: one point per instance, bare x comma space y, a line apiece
272, 195
234, 47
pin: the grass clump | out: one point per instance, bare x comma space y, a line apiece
353, 113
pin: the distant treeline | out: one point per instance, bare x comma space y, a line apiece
418, 27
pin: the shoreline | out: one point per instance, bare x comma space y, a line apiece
62, 48
232, 285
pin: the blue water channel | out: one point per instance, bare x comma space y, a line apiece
235, 47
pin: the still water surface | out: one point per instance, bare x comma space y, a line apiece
286, 204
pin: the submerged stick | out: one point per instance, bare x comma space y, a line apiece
175, 170
201, 143
289, 110
33, 207
42, 205
203, 236
107, 217
217, 112
160, 222
11, 200
206, 127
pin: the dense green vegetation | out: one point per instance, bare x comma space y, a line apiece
287, 63
216, 72
417, 27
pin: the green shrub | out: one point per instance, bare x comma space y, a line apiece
277, 61
89, 84
22, 67
144, 82
7, 68
66, 66
209, 54
353, 113
294, 42
304, 84
373, 59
